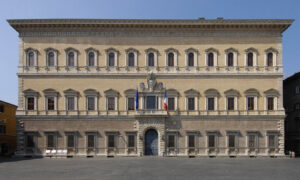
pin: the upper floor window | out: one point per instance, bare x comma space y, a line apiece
50, 99
250, 59
91, 99
91, 103
1, 108
211, 99
71, 99
191, 59
151, 59
191, 103
171, 103
111, 59
232, 99
192, 99
30, 62
270, 59
230, 103
297, 89
30, 103
130, 103
71, 59
171, 59
210, 103
2, 129
131, 59
230, 59
50, 103
51, 59
70, 103
31, 97
250, 103
210, 59
111, 99
270, 101
110, 103
91, 59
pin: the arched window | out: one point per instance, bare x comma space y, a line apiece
71, 59
111, 59
230, 59
250, 59
270, 59
191, 59
210, 60
171, 59
151, 59
50, 59
131, 59
30, 59
91, 60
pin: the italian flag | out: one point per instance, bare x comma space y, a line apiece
165, 101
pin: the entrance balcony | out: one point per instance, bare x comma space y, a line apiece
154, 112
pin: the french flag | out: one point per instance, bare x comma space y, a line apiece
165, 101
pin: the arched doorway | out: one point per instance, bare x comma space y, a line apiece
151, 142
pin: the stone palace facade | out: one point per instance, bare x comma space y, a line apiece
78, 80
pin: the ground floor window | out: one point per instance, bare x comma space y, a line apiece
231, 141
111, 141
131, 141
251, 141
191, 141
70, 141
272, 141
91, 141
171, 141
50, 141
211, 141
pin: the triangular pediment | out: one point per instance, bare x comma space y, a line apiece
251, 92
272, 92
111, 92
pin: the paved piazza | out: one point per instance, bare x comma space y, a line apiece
150, 168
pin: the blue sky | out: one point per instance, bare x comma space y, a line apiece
140, 9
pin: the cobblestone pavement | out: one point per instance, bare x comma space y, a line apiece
150, 168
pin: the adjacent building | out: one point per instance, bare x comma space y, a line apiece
291, 99
8, 126
97, 87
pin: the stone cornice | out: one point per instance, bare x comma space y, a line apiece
217, 24
144, 75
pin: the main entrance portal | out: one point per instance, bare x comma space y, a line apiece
151, 142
